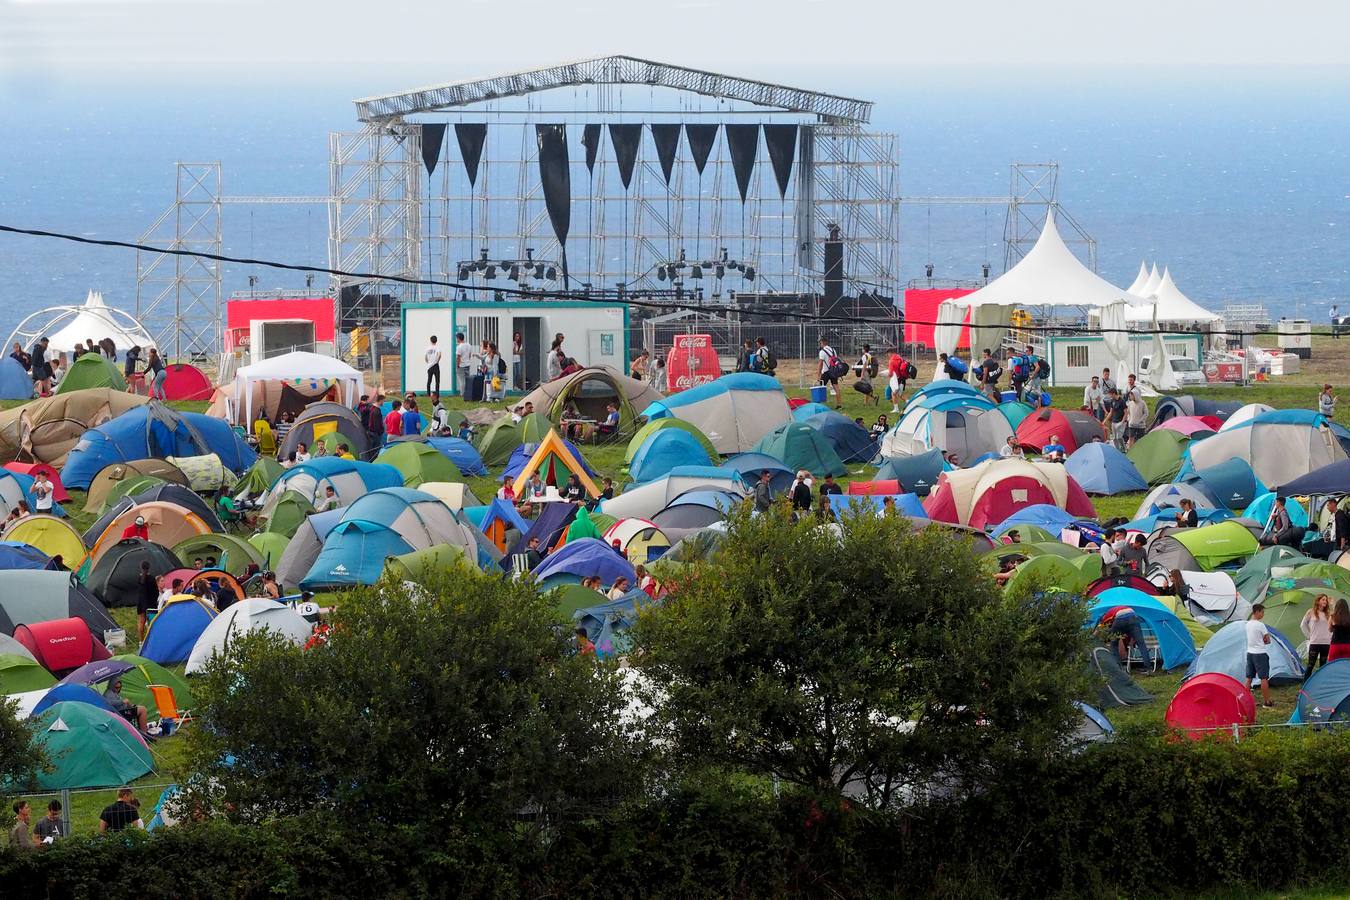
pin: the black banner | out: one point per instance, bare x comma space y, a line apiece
471, 138
433, 136
556, 177
667, 138
701, 139
625, 139
590, 139
782, 143
743, 145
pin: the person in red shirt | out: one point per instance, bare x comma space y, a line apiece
137, 529
393, 421
896, 378
584, 645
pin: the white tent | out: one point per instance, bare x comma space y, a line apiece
1049, 275
1150, 287
1174, 307
300, 368
95, 319
1137, 286
244, 616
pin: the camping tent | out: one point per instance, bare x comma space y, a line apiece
1211, 703
232, 553
175, 628
284, 513
169, 493
1073, 427
304, 547
1205, 548
695, 509
520, 457
349, 479
734, 411
581, 558
1115, 686
1158, 455
137, 674
254, 614
655, 425
1051, 518
46, 430
461, 453
453, 494
106, 485
1099, 468
16, 555
499, 518
15, 381
168, 524
554, 460
994, 490
419, 462
1332, 479
154, 430
258, 479
1280, 446
1172, 407
1192, 425
309, 372
1323, 697
31, 470
420, 564
270, 546
800, 446
496, 443
353, 554
550, 527
1226, 652
1259, 510
54, 537
639, 539
749, 465
961, 427
1245, 414
664, 450
22, 673
115, 580
1169, 497
326, 417
32, 595
591, 389
61, 645
1176, 647
92, 370
15, 487
1053, 571
646, 500
73, 693
1231, 484
89, 748
186, 382
917, 474
850, 440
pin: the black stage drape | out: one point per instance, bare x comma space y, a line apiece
471, 137
667, 138
590, 139
782, 143
625, 139
433, 136
701, 139
743, 145
556, 177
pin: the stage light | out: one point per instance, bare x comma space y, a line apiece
929, 269
749, 273
463, 273
538, 270
551, 274
490, 272
482, 255
695, 272
660, 273
721, 271
986, 271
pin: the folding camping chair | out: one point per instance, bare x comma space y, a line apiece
170, 716
1150, 641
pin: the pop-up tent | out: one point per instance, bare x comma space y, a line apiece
1174, 407
734, 411
14, 555
1332, 479
54, 537
348, 479
258, 479
965, 426
46, 430
1211, 704
1280, 446
253, 614
32, 595
555, 461
800, 446
1260, 508
1325, 696
168, 524
591, 390
154, 430
89, 748
284, 513
260, 386
270, 546
850, 441
304, 548
1245, 414
1231, 484
186, 382
175, 628
1115, 687
460, 452
1158, 455
61, 645
1099, 468
420, 564
116, 578
994, 490
15, 487
695, 509
1073, 427
321, 418
20, 674
917, 474
1072, 574
1226, 652
110, 482
1205, 548
496, 443
655, 425
1176, 647
646, 500
231, 552
1168, 497
354, 553
15, 381
664, 450
419, 462
580, 559
31, 470
92, 370
1193, 425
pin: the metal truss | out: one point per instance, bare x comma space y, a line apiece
615, 70
178, 297
1032, 193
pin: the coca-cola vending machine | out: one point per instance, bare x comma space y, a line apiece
692, 361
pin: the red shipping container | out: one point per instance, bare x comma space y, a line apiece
691, 362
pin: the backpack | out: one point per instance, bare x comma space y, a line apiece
957, 364
374, 420
501, 365
770, 362
1019, 367
911, 372
1042, 368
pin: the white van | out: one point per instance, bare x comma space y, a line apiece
1187, 371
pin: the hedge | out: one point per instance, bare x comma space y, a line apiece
1139, 816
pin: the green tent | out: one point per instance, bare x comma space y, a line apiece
284, 514
1285, 608
127, 487
799, 446
1053, 572
19, 674
93, 370
533, 428
498, 443
1329, 573
135, 682
88, 747
655, 425
1157, 455
1015, 411
1214, 545
259, 478
270, 545
1028, 533
602, 522
420, 563
1255, 574
419, 462
1051, 548
572, 597
233, 554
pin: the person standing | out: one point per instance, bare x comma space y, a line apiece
393, 421
119, 815
1117, 410
433, 358
1340, 525
1188, 517
1134, 555
517, 361
147, 595
829, 370
129, 365
48, 828
638, 369
42, 491
159, 373
828, 489
1316, 627
801, 492
1258, 656
763, 362
494, 374
41, 367
1326, 401
19, 839
412, 419
763, 492
743, 358
1092, 399
1107, 384
1132, 391
463, 362
1340, 631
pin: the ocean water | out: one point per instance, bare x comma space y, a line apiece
1239, 180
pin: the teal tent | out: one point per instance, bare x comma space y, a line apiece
88, 747
799, 446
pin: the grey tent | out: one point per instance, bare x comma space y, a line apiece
1115, 686
326, 413
305, 546
39, 595
115, 579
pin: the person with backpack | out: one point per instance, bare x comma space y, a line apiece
867, 370
832, 368
763, 361
1019, 371
372, 420
989, 374
953, 366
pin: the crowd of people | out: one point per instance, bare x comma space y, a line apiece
48, 366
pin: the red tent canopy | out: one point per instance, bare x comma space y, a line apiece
1137, 582
1073, 427
1211, 701
187, 382
61, 644
888, 487
59, 494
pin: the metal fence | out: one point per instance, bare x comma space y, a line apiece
794, 344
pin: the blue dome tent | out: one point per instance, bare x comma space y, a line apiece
917, 474
461, 453
1051, 518
734, 411
1259, 510
1325, 696
73, 693
154, 431
1226, 652
850, 440
1176, 647
15, 382
582, 558
664, 450
750, 464
354, 553
1232, 483
1100, 468
17, 555
905, 504
175, 629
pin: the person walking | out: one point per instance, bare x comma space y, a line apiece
1136, 413
159, 373
1326, 401
1316, 627
830, 366
1258, 656
763, 492
1118, 409
463, 360
147, 596
433, 359
743, 357
19, 839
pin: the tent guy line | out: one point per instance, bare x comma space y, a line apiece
571, 295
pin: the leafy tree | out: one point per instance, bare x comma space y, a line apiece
863, 655
454, 703
20, 758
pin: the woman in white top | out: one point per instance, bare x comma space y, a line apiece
1316, 626
554, 364
301, 453
494, 374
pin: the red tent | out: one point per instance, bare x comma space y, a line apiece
61, 644
59, 494
1137, 582
888, 487
186, 382
1073, 427
1211, 701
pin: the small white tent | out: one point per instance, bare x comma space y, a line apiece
1174, 307
67, 326
300, 368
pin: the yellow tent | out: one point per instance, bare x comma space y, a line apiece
551, 455
53, 536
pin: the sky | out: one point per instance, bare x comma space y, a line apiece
322, 40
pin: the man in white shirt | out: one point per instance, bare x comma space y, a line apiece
42, 493
433, 358
1258, 657
828, 358
1092, 398
1012, 449
463, 362
1135, 414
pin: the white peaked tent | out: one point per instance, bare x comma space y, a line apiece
1173, 307
97, 320
1137, 286
300, 368
1150, 287
1049, 275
